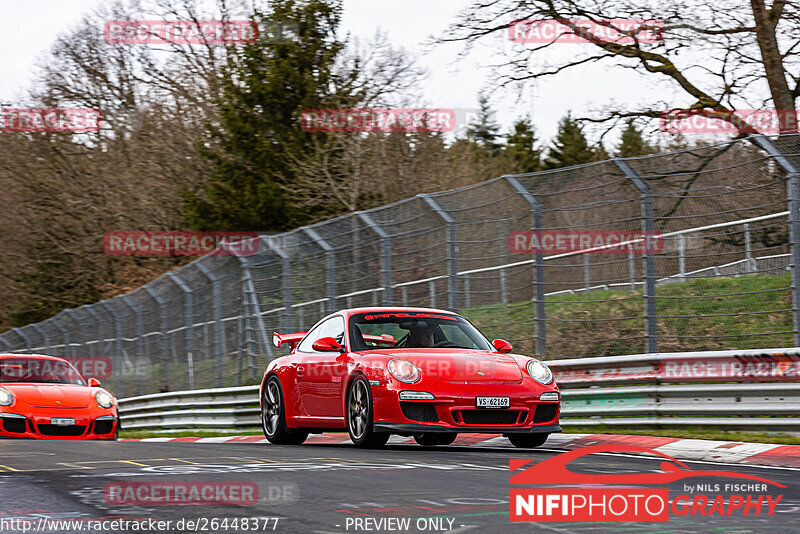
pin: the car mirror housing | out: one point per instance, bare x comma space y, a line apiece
501, 345
94, 383
326, 344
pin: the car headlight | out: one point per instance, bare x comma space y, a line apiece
104, 399
404, 371
539, 372
6, 398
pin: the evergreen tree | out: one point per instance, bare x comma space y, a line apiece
570, 146
632, 142
268, 84
485, 131
521, 148
600, 152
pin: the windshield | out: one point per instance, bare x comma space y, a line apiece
411, 330
38, 370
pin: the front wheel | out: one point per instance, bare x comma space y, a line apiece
359, 416
528, 441
432, 439
273, 416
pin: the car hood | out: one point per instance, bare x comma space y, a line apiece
51, 395
469, 366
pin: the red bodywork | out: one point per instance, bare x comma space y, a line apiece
36, 404
315, 387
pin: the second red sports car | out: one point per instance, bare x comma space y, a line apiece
415, 372
44, 397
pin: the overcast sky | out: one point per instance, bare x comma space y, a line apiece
27, 30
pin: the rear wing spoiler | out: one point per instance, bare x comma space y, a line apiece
292, 339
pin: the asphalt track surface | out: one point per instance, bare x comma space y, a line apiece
323, 488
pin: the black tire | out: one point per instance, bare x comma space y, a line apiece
432, 439
528, 441
359, 416
273, 416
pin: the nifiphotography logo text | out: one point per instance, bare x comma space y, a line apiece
582, 497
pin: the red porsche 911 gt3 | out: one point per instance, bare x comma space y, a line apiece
44, 397
415, 372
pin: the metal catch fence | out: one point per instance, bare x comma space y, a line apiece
724, 276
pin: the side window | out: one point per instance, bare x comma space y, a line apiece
333, 327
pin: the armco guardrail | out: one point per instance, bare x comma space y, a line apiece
736, 390
204, 408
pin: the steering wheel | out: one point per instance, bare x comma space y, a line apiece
445, 343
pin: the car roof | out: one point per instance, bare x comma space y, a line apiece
384, 309
34, 356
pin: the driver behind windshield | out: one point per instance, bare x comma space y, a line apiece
420, 337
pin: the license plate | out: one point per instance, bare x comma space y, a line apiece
61, 421
493, 402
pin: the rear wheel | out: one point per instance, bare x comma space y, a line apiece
359, 416
273, 416
528, 441
432, 439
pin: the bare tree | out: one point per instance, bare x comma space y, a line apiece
720, 56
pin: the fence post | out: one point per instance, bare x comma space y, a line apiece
386, 256
250, 302
538, 265
452, 250
330, 266
587, 281
793, 198
118, 342
648, 227
162, 306
41, 332
64, 335
139, 343
682, 257
24, 337
286, 280
81, 335
631, 267
101, 331
219, 327
748, 249
189, 320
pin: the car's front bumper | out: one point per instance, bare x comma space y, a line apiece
32, 426
453, 408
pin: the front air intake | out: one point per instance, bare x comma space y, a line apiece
418, 411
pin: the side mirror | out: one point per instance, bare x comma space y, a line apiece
94, 383
501, 345
326, 344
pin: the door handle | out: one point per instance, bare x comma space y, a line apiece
301, 370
